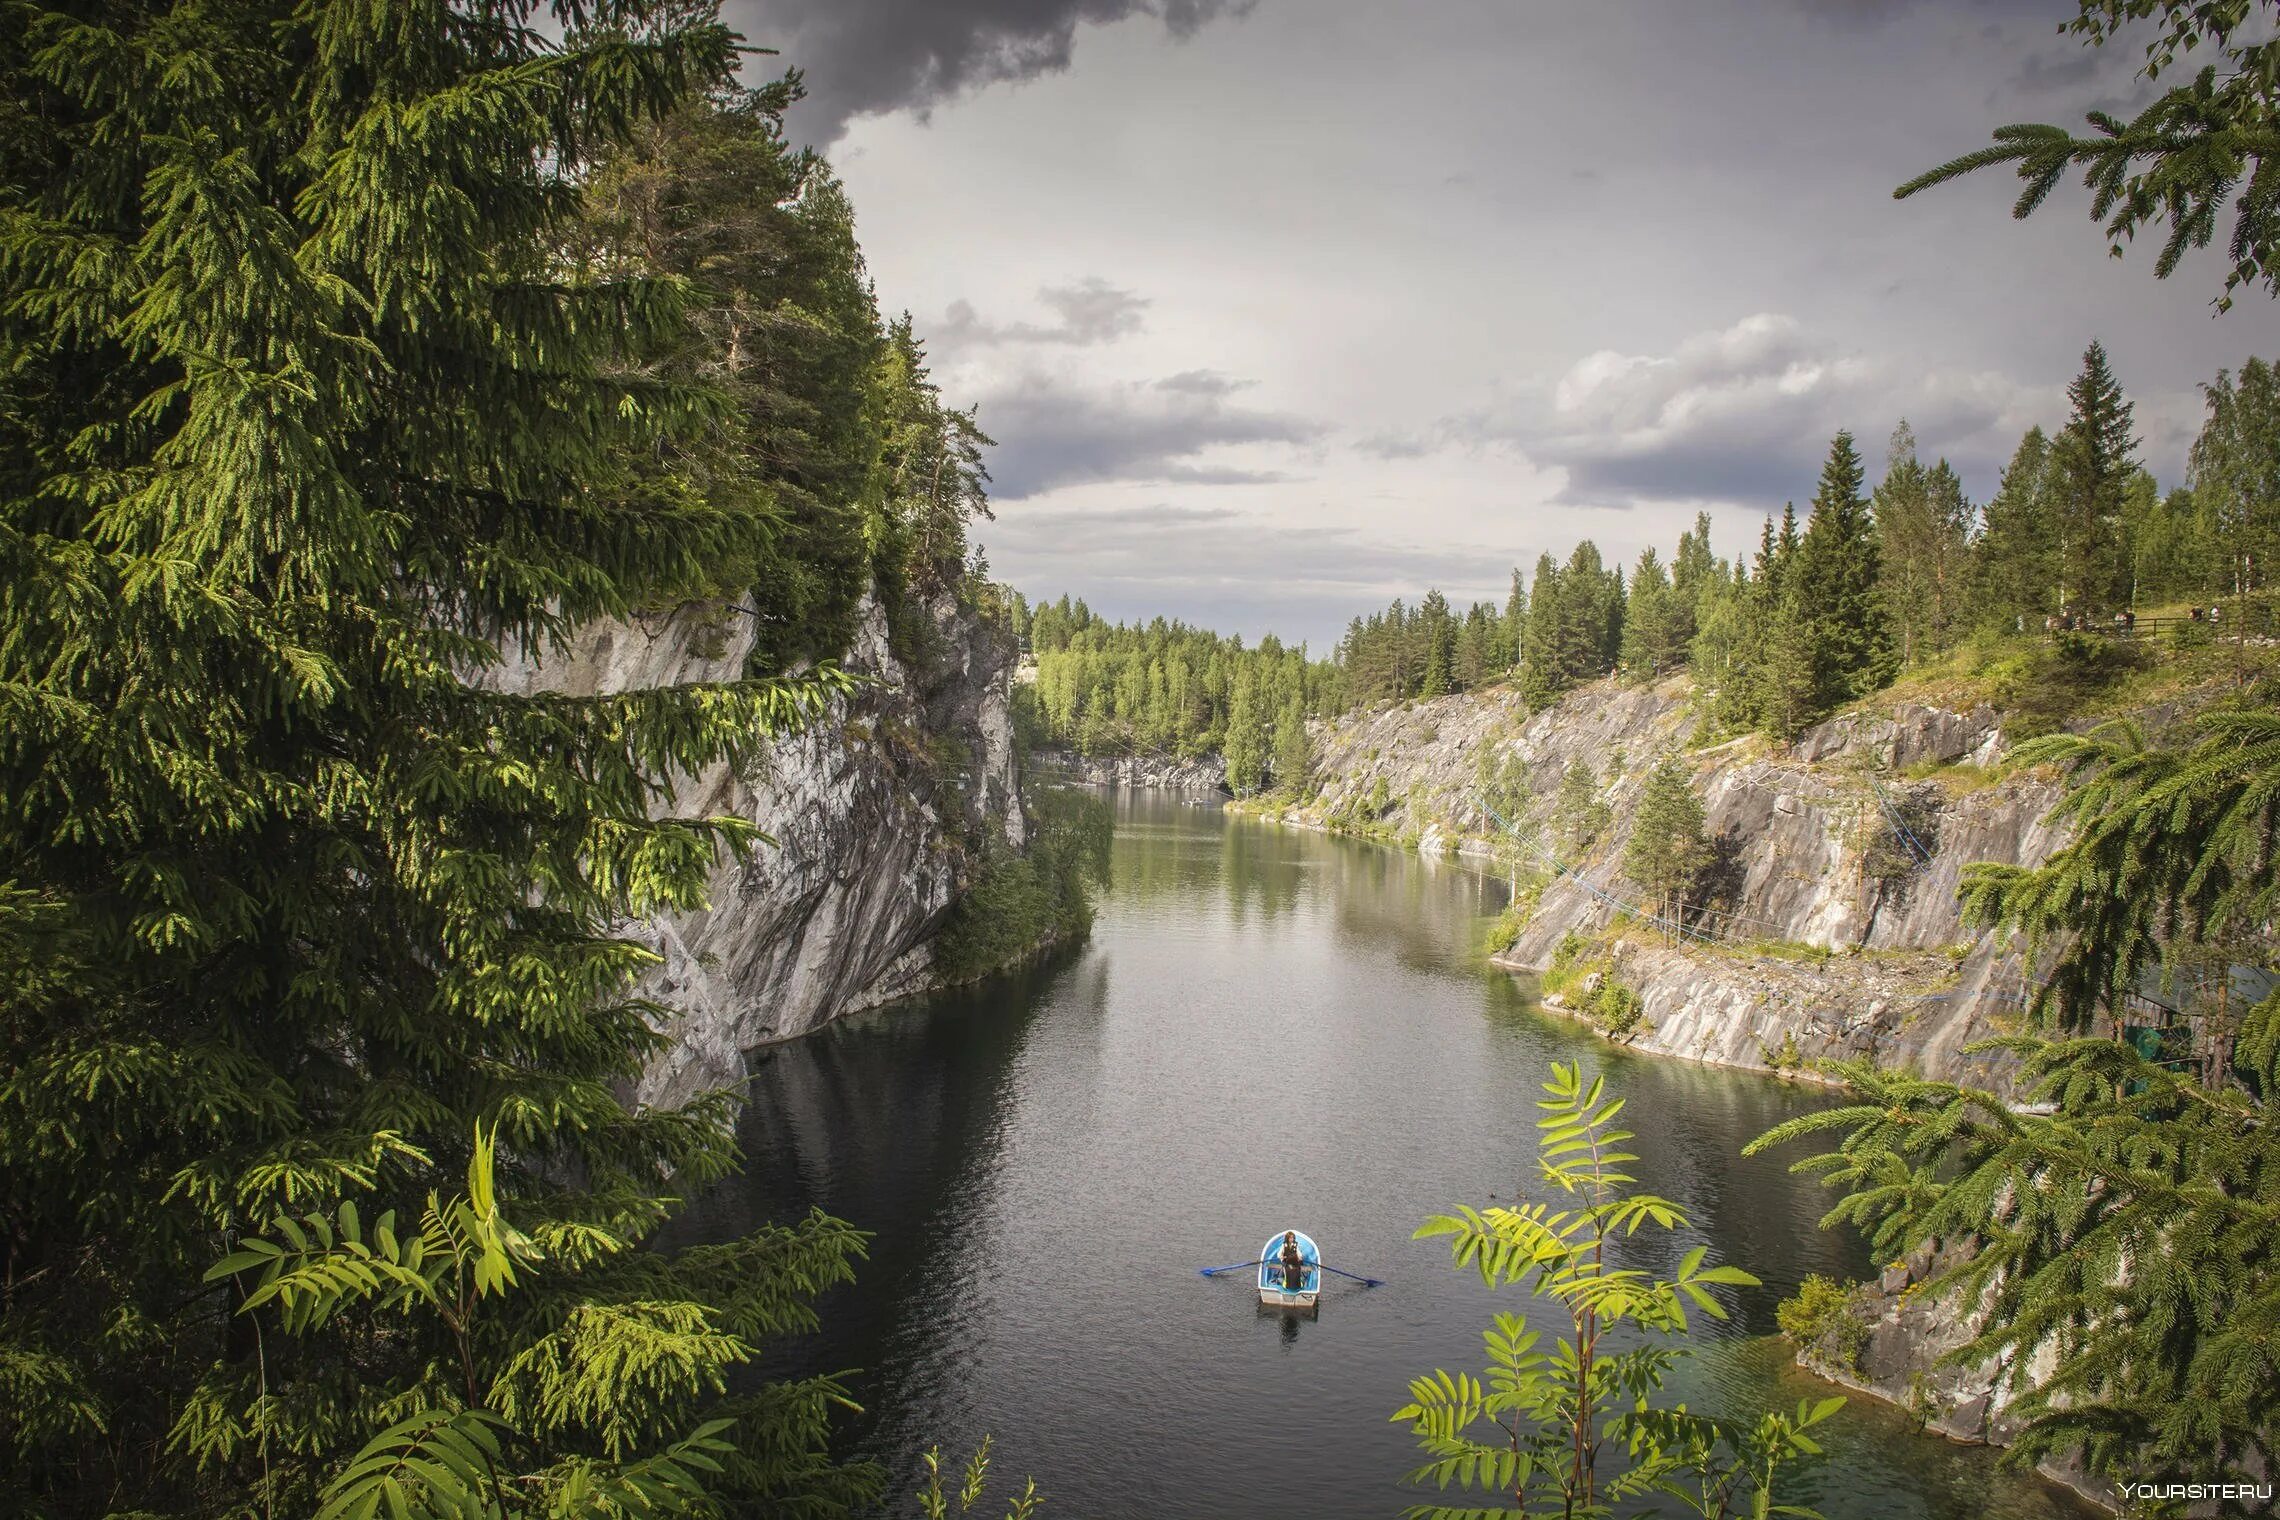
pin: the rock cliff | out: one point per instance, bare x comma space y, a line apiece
1204, 776
874, 809
1830, 925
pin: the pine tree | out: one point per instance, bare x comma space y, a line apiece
1923, 526
1515, 622
1539, 646
312, 405
1294, 750
1651, 644
1438, 641
2015, 559
2236, 475
2091, 465
1832, 592
1669, 848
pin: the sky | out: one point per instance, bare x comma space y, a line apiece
1280, 309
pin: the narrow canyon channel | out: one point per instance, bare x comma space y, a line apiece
1268, 1028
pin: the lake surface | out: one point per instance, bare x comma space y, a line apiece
1269, 1028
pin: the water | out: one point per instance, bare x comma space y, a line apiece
1269, 1028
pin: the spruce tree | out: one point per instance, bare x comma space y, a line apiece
1832, 591
313, 403
1515, 622
1669, 848
1923, 527
1650, 640
2015, 557
1539, 645
2091, 464
1294, 750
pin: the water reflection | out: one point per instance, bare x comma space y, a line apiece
1268, 1028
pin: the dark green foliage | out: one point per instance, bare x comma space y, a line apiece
1833, 592
1400, 653
783, 328
2091, 464
2015, 561
319, 388
2128, 1230
1924, 525
2181, 160
1021, 901
2169, 842
1575, 625
2235, 501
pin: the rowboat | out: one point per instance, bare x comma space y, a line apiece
1276, 1293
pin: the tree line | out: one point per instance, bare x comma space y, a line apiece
1165, 688
1868, 583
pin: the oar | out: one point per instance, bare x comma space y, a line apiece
1367, 1282
1232, 1267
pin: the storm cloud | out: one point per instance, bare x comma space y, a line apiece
1342, 311
1054, 430
868, 57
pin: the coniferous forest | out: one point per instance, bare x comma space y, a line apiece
1831, 604
352, 351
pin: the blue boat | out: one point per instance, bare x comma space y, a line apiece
1276, 1293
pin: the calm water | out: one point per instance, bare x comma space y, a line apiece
1268, 1028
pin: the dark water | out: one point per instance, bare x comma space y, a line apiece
1268, 1029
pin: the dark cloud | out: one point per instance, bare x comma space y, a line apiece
1092, 311
1202, 564
1742, 414
1054, 431
867, 57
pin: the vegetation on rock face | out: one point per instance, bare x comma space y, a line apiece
1819, 1320
1580, 1427
1022, 900
1669, 848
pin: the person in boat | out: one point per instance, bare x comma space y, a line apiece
1293, 1263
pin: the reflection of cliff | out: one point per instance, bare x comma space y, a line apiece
1833, 891
891, 1122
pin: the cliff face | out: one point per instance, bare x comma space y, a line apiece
873, 809
1834, 927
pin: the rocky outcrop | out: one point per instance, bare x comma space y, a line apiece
874, 809
1893, 1343
1205, 776
1831, 925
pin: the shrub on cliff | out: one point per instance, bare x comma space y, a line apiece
1818, 1319
1019, 901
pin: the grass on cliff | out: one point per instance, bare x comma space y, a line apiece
2042, 684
